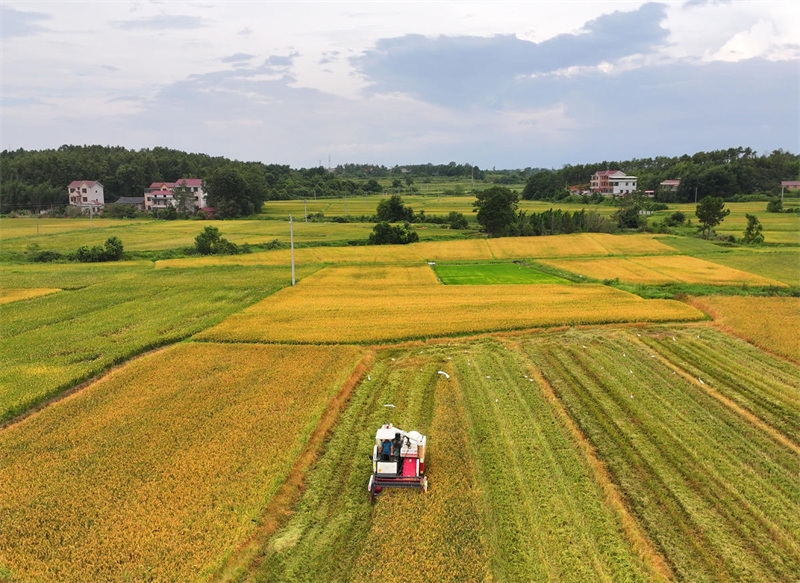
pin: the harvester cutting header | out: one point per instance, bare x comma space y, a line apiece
398, 460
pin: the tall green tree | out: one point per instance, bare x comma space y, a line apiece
711, 212
753, 234
392, 210
497, 210
232, 196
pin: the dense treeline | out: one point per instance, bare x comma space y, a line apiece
451, 170
34, 179
723, 173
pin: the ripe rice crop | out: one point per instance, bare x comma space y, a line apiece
368, 275
771, 323
158, 470
511, 497
661, 270
8, 295
52, 343
716, 494
318, 313
584, 244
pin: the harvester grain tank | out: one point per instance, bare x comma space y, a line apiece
398, 460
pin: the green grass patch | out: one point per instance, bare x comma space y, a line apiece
494, 273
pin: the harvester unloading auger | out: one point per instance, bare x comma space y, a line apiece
398, 460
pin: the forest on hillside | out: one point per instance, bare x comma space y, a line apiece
37, 179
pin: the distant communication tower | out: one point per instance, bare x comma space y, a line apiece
329, 164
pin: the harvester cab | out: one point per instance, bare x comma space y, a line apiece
398, 460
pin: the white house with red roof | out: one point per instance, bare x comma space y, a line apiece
600, 182
86, 193
159, 195
612, 182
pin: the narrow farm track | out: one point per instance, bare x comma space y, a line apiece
717, 496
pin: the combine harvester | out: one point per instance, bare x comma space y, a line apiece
398, 460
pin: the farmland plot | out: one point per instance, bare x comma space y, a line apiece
661, 270
157, 471
511, 496
771, 323
717, 494
314, 311
51, 343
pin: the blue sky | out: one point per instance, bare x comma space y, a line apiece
496, 84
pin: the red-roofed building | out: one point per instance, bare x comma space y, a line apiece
159, 195
600, 181
86, 193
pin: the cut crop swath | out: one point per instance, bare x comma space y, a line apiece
762, 384
718, 496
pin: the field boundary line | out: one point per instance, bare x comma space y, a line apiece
245, 557
729, 403
644, 548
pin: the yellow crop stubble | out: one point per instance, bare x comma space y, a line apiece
159, 469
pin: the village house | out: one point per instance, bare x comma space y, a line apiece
670, 185
612, 182
622, 184
86, 194
136, 202
159, 195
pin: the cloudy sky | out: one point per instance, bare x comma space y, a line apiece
505, 84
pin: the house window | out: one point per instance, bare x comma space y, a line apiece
83, 190
85, 199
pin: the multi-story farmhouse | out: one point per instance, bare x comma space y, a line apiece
159, 195
86, 193
612, 182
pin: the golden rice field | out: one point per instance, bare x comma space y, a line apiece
583, 244
381, 276
157, 471
661, 270
318, 311
8, 295
771, 323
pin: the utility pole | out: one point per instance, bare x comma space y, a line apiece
305, 210
695, 195
291, 244
345, 203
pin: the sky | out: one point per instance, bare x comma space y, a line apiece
495, 84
